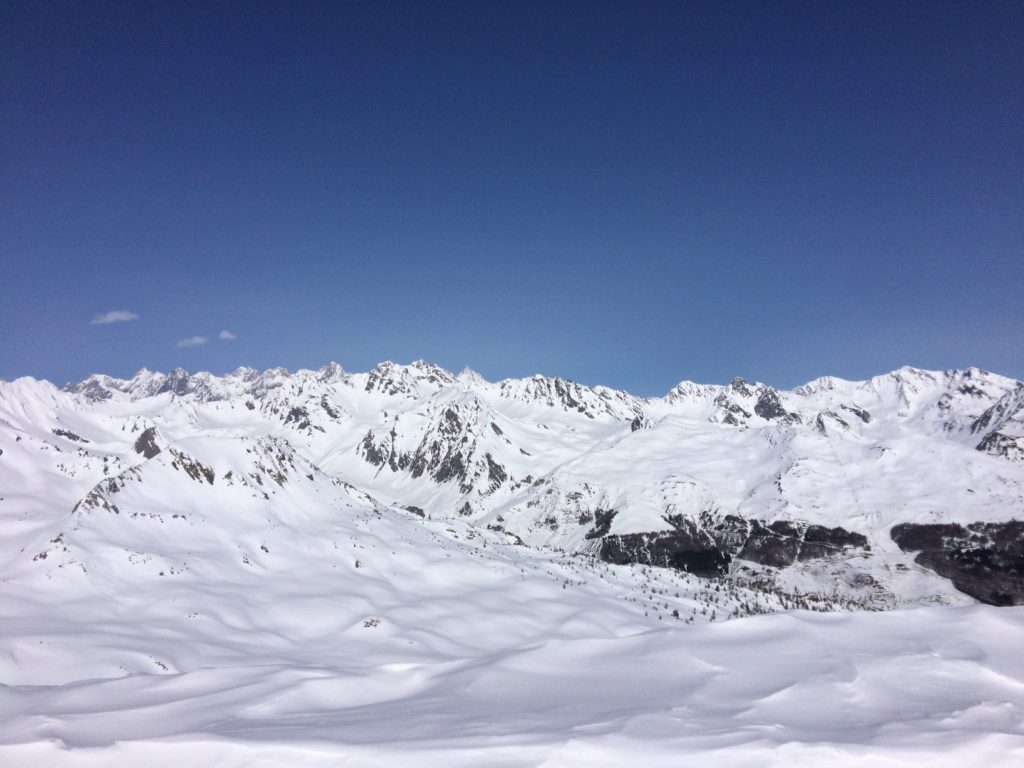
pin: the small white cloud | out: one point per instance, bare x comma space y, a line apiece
226, 336
114, 316
195, 341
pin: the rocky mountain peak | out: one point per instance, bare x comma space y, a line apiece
740, 387
394, 380
332, 373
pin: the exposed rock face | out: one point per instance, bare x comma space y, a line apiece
739, 386
496, 474
406, 380
769, 407
444, 457
1003, 426
90, 388
571, 396
858, 412
602, 524
67, 433
777, 544
374, 453
820, 541
707, 546
176, 382
984, 560
734, 412
1007, 446
192, 467
687, 548
298, 416
829, 418
146, 444
448, 452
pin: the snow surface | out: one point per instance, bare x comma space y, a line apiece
259, 593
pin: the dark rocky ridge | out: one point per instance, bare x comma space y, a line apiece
769, 407
1007, 446
687, 548
89, 388
707, 546
177, 381
983, 560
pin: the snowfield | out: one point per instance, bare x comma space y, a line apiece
411, 567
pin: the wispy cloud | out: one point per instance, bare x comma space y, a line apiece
114, 316
226, 336
195, 341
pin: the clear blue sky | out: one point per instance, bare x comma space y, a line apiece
626, 194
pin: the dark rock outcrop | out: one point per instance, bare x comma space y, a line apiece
706, 546
68, 434
769, 407
734, 412
370, 451
496, 474
91, 389
192, 467
739, 386
298, 416
983, 560
860, 413
146, 443
687, 548
602, 524
328, 409
177, 382
777, 544
820, 541
1007, 446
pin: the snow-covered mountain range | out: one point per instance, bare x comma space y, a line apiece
714, 480
415, 566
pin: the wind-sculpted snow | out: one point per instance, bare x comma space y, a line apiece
413, 567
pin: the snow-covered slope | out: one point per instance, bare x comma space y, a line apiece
409, 565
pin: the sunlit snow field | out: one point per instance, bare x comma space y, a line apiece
441, 649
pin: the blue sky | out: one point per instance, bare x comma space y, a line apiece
626, 194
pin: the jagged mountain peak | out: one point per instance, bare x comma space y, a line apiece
393, 379
469, 378
570, 396
739, 386
691, 390
332, 373
94, 387
1002, 426
953, 402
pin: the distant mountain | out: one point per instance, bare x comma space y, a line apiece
875, 491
